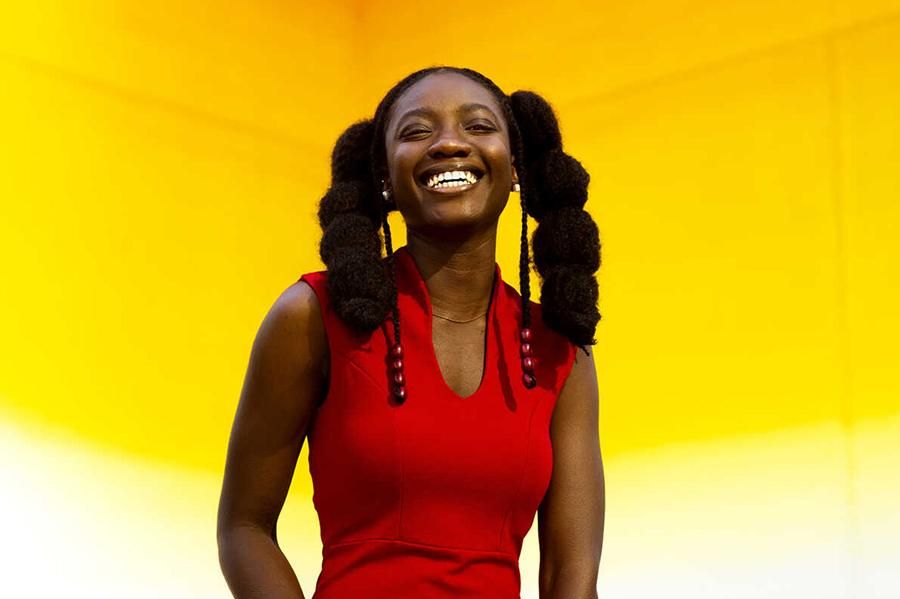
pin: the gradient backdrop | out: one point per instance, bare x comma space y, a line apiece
161, 165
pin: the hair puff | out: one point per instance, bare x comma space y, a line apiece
567, 236
350, 156
348, 197
357, 282
566, 242
561, 182
569, 303
537, 124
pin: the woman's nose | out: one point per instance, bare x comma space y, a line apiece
448, 145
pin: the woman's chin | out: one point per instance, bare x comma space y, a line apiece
465, 211
460, 216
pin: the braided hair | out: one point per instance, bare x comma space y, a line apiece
566, 241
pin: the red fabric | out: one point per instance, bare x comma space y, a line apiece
430, 499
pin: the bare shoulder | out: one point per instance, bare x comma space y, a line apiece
577, 407
294, 328
297, 304
584, 369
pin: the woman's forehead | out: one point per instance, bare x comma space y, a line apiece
444, 92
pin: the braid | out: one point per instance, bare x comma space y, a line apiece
566, 241
391, 262
524, 268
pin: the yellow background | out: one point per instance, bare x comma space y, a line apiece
161, 165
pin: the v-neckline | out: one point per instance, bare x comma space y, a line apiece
421, 289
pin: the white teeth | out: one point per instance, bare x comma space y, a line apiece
452, 179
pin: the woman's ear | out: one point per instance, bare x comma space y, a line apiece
515, 175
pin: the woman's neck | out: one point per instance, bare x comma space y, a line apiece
459, 275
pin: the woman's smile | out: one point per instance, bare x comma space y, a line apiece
451, 179
453, 183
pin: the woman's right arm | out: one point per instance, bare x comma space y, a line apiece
285, 379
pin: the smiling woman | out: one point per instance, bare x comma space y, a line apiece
431, 451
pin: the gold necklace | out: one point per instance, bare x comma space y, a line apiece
459, 321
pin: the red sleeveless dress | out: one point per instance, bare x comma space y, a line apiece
432, 498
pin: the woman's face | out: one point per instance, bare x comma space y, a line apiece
448, 127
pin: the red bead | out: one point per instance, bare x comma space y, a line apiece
397, 351
527, 364
526, 334
529, 380
397, 364
526, 349
399, 379
400, 392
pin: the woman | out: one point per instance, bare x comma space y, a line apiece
443, 409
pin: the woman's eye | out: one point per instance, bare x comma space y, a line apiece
417, 131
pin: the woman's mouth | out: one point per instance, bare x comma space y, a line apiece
452, 181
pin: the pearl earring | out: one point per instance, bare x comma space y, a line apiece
516, 187
386, 194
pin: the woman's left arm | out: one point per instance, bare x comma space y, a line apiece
570, 517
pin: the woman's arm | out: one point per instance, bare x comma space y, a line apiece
570, 517
284, 381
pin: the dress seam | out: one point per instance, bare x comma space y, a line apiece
333, 546
521, 476
346, 358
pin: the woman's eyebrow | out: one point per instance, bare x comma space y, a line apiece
470, 106
427, 111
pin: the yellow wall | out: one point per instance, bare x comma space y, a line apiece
161, 169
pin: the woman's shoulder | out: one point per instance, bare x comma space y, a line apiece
299, 307
292, 337
314, 276
315, 282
